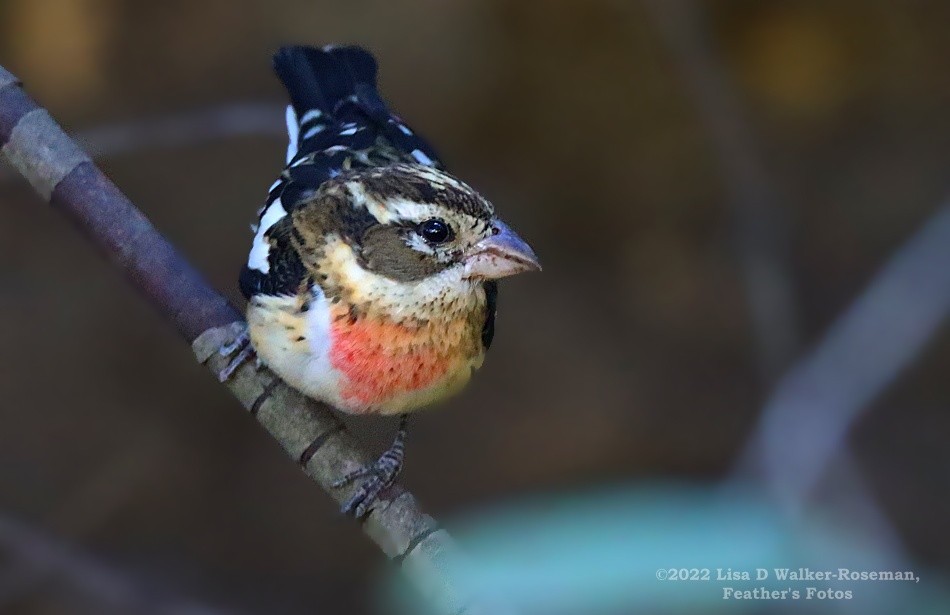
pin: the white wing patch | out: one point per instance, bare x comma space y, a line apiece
314, 131
421, 158
260, 250
310, 116
293, 131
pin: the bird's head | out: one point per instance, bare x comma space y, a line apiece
416, 226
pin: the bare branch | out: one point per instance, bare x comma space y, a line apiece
806, 421
310, 433
757, 216
187, 128
243, 119
785, 442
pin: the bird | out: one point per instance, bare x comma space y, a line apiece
371, 281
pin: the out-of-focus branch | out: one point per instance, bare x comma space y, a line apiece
246, 119
764, 259
33, 559
757, 218
310, 433
188, 128
807, 419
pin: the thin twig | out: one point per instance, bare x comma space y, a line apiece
756, 214
807, 419
764, 258
310, 433
243, 119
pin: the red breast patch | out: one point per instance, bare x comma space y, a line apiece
381, 359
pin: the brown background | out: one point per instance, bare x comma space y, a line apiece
631, 356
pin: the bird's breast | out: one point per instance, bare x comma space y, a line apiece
388, 366
364, 363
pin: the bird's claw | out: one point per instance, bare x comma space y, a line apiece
379, 476
242, 346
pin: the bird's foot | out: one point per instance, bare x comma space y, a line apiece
379, 475
242, 346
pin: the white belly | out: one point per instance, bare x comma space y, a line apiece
296, 344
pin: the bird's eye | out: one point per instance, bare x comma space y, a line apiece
435, 231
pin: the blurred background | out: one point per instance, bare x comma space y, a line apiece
734, 356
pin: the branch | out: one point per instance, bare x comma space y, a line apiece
806, 421
756, 215
308, 431
243, 119
774, 308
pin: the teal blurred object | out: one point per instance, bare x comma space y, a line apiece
599, 553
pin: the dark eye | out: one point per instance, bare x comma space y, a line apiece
435, 231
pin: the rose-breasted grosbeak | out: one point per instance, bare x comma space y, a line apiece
371, 280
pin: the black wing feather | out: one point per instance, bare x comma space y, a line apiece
286, 271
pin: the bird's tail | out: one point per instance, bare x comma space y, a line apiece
319, 82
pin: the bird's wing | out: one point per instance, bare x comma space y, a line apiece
284, 272
336, 121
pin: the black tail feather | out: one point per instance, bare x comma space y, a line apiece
324, 78
335, 101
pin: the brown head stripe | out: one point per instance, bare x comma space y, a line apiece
401, 181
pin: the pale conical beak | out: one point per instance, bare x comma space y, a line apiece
500, 255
